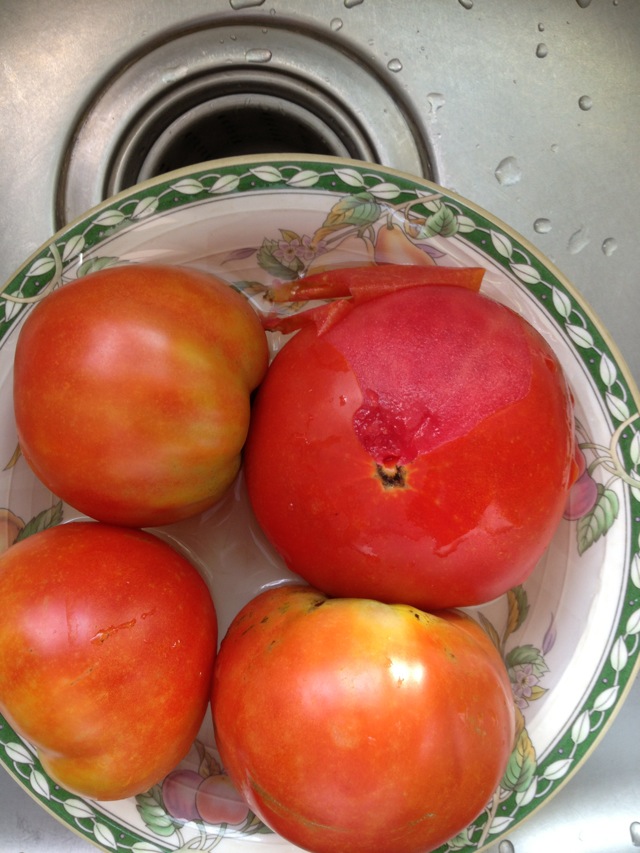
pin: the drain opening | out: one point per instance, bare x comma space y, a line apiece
227, 115
199, 97
238, 125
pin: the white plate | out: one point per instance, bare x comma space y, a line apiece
570, 635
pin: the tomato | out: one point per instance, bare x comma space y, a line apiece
132, 391
107, 643
353, 725
418, 448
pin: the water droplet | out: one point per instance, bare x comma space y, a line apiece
634, 829
466, 4
508, 172
542, 50
542, 225
540, 27
609, 246
258, 54
394, 65
336, 24
351, 3
436, 102
578, 240
244, 4
585, 102
583, 3
555, 148
506, 847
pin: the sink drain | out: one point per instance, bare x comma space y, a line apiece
241, 124
230, 113
225, 90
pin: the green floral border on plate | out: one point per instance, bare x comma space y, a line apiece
365, 193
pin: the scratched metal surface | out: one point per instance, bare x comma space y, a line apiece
528, 107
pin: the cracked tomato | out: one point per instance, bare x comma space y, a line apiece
107, 643
413, 446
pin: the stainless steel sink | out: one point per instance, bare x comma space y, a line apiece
528, 107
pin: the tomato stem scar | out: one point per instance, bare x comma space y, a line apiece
392, 476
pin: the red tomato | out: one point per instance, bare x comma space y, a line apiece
419, 449
131, 391
107, 643
352, 725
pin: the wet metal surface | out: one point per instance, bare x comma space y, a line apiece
530, 109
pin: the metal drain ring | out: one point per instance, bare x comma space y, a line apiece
236, 89
235, 112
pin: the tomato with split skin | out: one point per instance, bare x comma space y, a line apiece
417, 447
107, 642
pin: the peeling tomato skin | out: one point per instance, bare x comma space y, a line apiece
473, 512
419, 398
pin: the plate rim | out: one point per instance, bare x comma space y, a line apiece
231, 163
